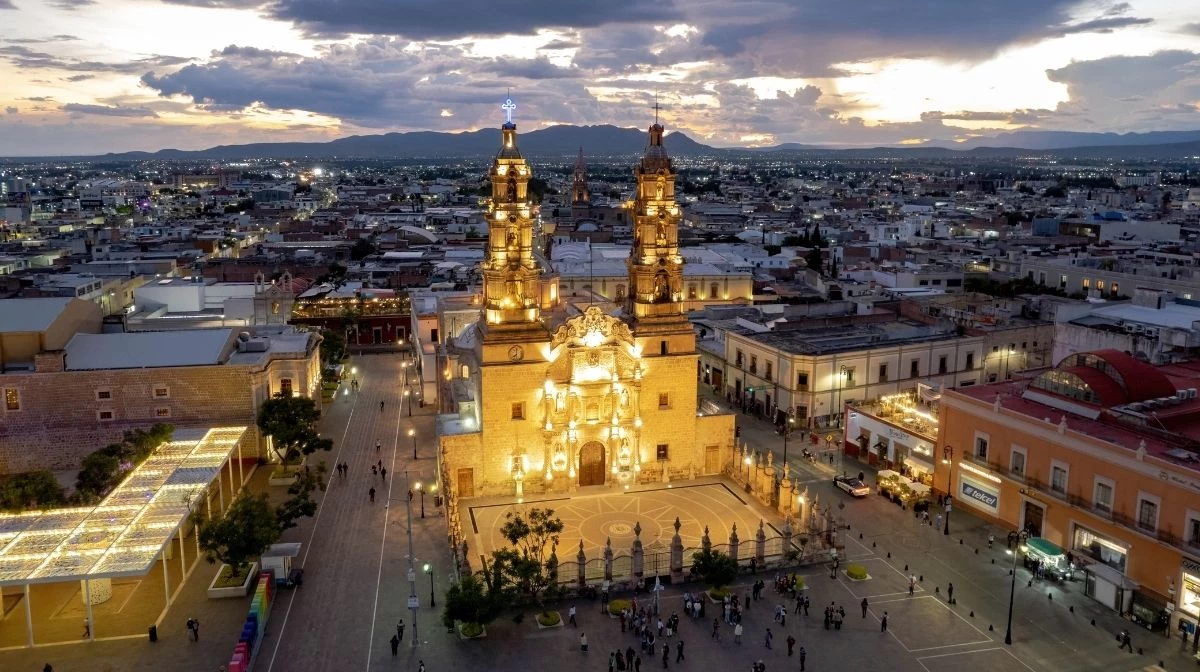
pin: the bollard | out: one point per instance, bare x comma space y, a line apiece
1071, 608
1030, 584
1093, 622
921, 578
872, 544
960, 541
990, 628
937, 590
993, 561
977, 551
906, 568
972, 613
860, 535
889, 555
1050, 597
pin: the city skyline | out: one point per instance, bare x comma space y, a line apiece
92, 76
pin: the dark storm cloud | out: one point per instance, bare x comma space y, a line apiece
26, 58
218, 4
530, 68
79, 78
105, 110
7, 4
41, 40
252, 52
11, 110
1190, 28
1130, 92
423, 20
1022, 117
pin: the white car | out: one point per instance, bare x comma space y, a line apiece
852, 485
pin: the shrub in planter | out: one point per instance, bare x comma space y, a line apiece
718, 593
615, 607
549, 619
470, 630
800, 584
856, 572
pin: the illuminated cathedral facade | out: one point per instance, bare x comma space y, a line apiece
551, 396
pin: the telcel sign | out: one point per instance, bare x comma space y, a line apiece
981, 496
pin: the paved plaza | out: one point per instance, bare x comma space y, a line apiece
356, 558
597, 515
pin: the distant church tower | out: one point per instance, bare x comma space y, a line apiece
655, 301
581, 199
513, 289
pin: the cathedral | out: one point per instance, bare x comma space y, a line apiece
549, 395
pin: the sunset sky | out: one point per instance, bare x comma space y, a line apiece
92, 76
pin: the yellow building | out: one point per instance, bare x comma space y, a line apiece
549, 397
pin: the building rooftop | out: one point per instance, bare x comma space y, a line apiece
148, 349
30, 315
842, 338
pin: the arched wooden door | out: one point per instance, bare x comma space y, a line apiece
591, 464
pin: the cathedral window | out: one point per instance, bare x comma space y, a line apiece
664, 400
662, 347
662, 452
518, 410
713, 291
692, 290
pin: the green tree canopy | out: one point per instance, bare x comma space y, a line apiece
291, 422
470, 601
247, 529
525, 566
717, 568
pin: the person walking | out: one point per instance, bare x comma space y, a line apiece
380, 406
374, 470
737, 634
378, 444
939, 522
48, 668
912, 584
716, 631
769, 637
864, 607
637, 664
679, 651
383, 474
803, 654
612, 661
791, 642
583, 642
421, 666
950, 593
571, 618
883, 623
371, 494
395, 642
666, 655
629, 658
1126, 641
195, 629
400, 630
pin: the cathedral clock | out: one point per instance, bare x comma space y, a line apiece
516, 353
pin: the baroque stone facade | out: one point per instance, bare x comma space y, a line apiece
553, 398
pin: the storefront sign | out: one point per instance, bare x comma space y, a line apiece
980, 495
1191, 565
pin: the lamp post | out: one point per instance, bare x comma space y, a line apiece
404, 368
787, 431
747, 473
844, 373
948, 458
1012, 585
420, 490
429, 571
406, 394
412, 574
412, 434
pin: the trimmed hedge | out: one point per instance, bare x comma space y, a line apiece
549, 618
856, 572
615, 607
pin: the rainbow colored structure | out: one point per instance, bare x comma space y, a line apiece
246, 650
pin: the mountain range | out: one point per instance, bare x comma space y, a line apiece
563, 141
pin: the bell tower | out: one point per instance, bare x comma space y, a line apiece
655, 300
512, 275
580, 197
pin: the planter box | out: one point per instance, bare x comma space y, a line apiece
235, 591
481, 635
713, 600
548, 627
865, 578
287, 480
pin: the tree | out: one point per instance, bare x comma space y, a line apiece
291, 423
525, 566
30, 490
362, 249
103, 469
814, 259
301, 504
718, 569
471, 601
333, 347
247, 529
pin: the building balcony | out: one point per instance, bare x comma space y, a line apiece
971, 457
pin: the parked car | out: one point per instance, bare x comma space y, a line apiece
852, 485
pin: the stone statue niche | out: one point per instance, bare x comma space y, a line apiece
662, 287
512, 189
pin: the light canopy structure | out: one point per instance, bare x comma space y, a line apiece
126, 533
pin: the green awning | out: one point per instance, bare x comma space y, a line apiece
1044, 547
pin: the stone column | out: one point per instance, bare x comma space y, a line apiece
608, 559
552, 564
786, 533
101, 591
638, 554
760, 544
581, 559
733, 543
786, 494
705, 542
676, 555
465, 560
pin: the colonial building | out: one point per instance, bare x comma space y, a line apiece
546, 396
1099, 456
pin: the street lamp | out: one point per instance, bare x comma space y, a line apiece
412, 434
404, 368
429, 570
787, 430
1012, 584
747, 473
948, 458
406, 393
422, 491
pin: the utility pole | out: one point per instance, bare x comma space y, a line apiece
412, 573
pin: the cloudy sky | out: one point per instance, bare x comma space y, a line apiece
87, 76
